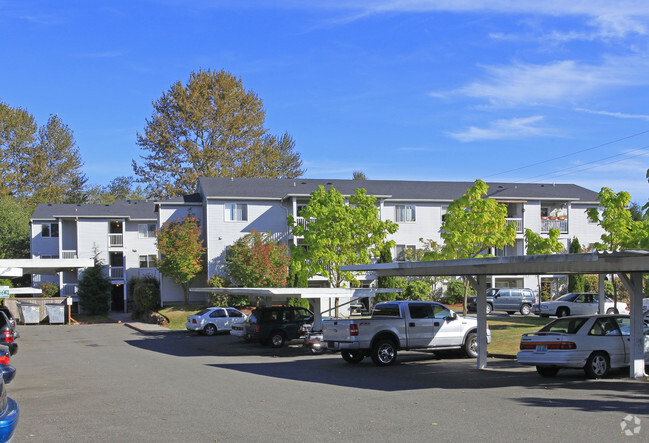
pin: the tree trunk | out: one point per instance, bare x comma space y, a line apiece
466, 297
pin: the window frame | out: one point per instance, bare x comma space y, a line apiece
52, 229
149, 233
231, 211
149, 259
401, 214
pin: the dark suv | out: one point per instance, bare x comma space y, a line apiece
275, 324
7, 334
509, 300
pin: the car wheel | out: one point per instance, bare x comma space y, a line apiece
384, 352
277, 339
547, 371
352, 357
598, 365
488, 308
610, 311
471, 345
526, 309
563, 312
209, 330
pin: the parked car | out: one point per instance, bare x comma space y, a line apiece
9, 414
8, 371
209, 321
7, 334
509, 300
596, 343
275, 325
578, 303
10, 316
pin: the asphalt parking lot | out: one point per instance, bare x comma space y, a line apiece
107, 382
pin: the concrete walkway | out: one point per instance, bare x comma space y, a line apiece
144, 328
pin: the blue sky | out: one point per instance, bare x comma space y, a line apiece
519, 91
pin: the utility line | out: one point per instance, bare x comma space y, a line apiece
568, 155
580, 168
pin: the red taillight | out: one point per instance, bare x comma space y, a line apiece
4, 360
194, 320
564, 345
257, 328
353, 330
9, 336
527, 346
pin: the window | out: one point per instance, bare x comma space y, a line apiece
146, 230
234, 313
419, 310
405, 213
147, 261
50, 230
442, 312
236, 212
401, 253
444, 211
218, 313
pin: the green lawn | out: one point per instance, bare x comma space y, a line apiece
177, 315
506, 332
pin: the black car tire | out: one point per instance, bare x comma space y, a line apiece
277, 339
353, 357
563, 312
210, 330
526, 309
384, 352
471, 345
488, 308
547, 371
598, 365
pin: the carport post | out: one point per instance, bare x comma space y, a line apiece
481, 309
636, 359
602, 294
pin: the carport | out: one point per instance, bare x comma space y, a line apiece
628, 265
319, 297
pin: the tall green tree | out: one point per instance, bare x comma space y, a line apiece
473, 225
255, 261
576, 282
95, 289
210, 127
340, 231
181, 251
387, 281
539, 245
120, 188
14, 228
41, 164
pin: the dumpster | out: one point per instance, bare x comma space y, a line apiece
31, 313
56, 313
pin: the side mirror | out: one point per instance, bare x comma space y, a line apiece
451, 317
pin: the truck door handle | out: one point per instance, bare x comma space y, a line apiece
411, 324
436, 323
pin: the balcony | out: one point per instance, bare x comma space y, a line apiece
518, 222
115, 240
300, 221
560, 223
116, 272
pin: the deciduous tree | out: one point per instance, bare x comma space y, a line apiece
475, 224
539, 245
14, 228
256, 261
181, 251
210, 127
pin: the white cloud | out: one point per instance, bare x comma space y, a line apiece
504, 129
615, 114
560, 81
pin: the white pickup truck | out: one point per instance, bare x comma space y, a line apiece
401, 325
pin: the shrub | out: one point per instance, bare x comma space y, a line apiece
216, 281
417, 290
298, 302
146, 295
454, 292
49, 289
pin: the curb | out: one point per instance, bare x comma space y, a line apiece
506, 356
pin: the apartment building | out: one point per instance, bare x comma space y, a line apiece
229, 208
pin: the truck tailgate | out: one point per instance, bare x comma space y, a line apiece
336, 330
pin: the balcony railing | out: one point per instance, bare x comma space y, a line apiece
116, 272
301, 221
69, 289
518, 222
559, 223
68, 254
115, 240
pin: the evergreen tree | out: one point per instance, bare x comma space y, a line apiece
576, 282
95, 289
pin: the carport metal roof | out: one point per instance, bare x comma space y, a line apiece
629, 265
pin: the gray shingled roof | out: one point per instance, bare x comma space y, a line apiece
394, 189
129, 209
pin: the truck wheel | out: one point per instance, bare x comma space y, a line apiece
209, 330
277, 339
526, 309
353, 357
471, 345
488, 308
384, 352
611, 311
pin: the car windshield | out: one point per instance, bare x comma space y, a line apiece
564, 325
